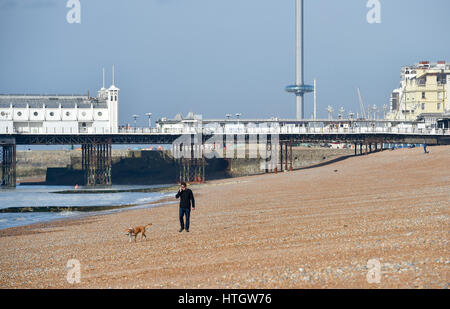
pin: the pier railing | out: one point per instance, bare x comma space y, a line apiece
225, 131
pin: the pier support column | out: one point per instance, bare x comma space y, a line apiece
269, 158
291, 162
8, 166
281, 156
97, 163
191, 162
275, 150
286, 156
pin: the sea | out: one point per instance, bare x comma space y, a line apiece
34, 196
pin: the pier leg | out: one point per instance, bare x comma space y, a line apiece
274, 162
192, 163
286, 156
266, 158
291, 167
97, 163
281, 156
8, 166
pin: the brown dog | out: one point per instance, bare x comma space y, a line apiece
134, 231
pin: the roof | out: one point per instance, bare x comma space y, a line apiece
50, 101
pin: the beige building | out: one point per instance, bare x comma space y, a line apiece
423, 93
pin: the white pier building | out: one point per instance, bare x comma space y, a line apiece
60, 114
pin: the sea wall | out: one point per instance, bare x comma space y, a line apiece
34, 163
301, 156
63, 167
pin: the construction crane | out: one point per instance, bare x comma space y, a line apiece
361, 104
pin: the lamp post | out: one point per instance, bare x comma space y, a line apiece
341, 113
375, 109
149, 115
330, 111
238, 116
135, 117
385, 109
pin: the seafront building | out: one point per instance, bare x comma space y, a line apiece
70, 114
423, 94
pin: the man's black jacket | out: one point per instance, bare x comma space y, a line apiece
186, 197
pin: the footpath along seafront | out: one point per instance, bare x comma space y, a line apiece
312, 228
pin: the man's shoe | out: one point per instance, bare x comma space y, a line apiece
181, 230
187, 231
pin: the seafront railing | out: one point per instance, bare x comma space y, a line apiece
226, 131
288, 130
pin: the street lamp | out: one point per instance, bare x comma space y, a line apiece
135, 118
330, 111
149, 115
228, 116
385, 109
341, 113
238, 116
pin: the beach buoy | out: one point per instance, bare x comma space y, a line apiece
76, 187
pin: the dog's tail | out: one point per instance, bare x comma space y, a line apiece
148, 225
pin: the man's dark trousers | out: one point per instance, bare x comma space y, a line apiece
184, 212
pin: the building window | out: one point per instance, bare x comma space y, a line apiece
99, 114
3, 114
111, 98
441, 79
67, 114
35, 114
116, 98
83, 114
423, 106
423, 95
19, 114
439, 106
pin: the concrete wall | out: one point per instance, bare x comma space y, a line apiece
35, 163
151, 167
302, 157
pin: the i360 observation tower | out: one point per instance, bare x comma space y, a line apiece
299, 89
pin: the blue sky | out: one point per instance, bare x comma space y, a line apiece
215, 57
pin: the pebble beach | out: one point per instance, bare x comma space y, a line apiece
310, 228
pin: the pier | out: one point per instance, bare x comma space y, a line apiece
273, 140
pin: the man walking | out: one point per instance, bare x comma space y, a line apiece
186, 197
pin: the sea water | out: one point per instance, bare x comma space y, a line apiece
44, 196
